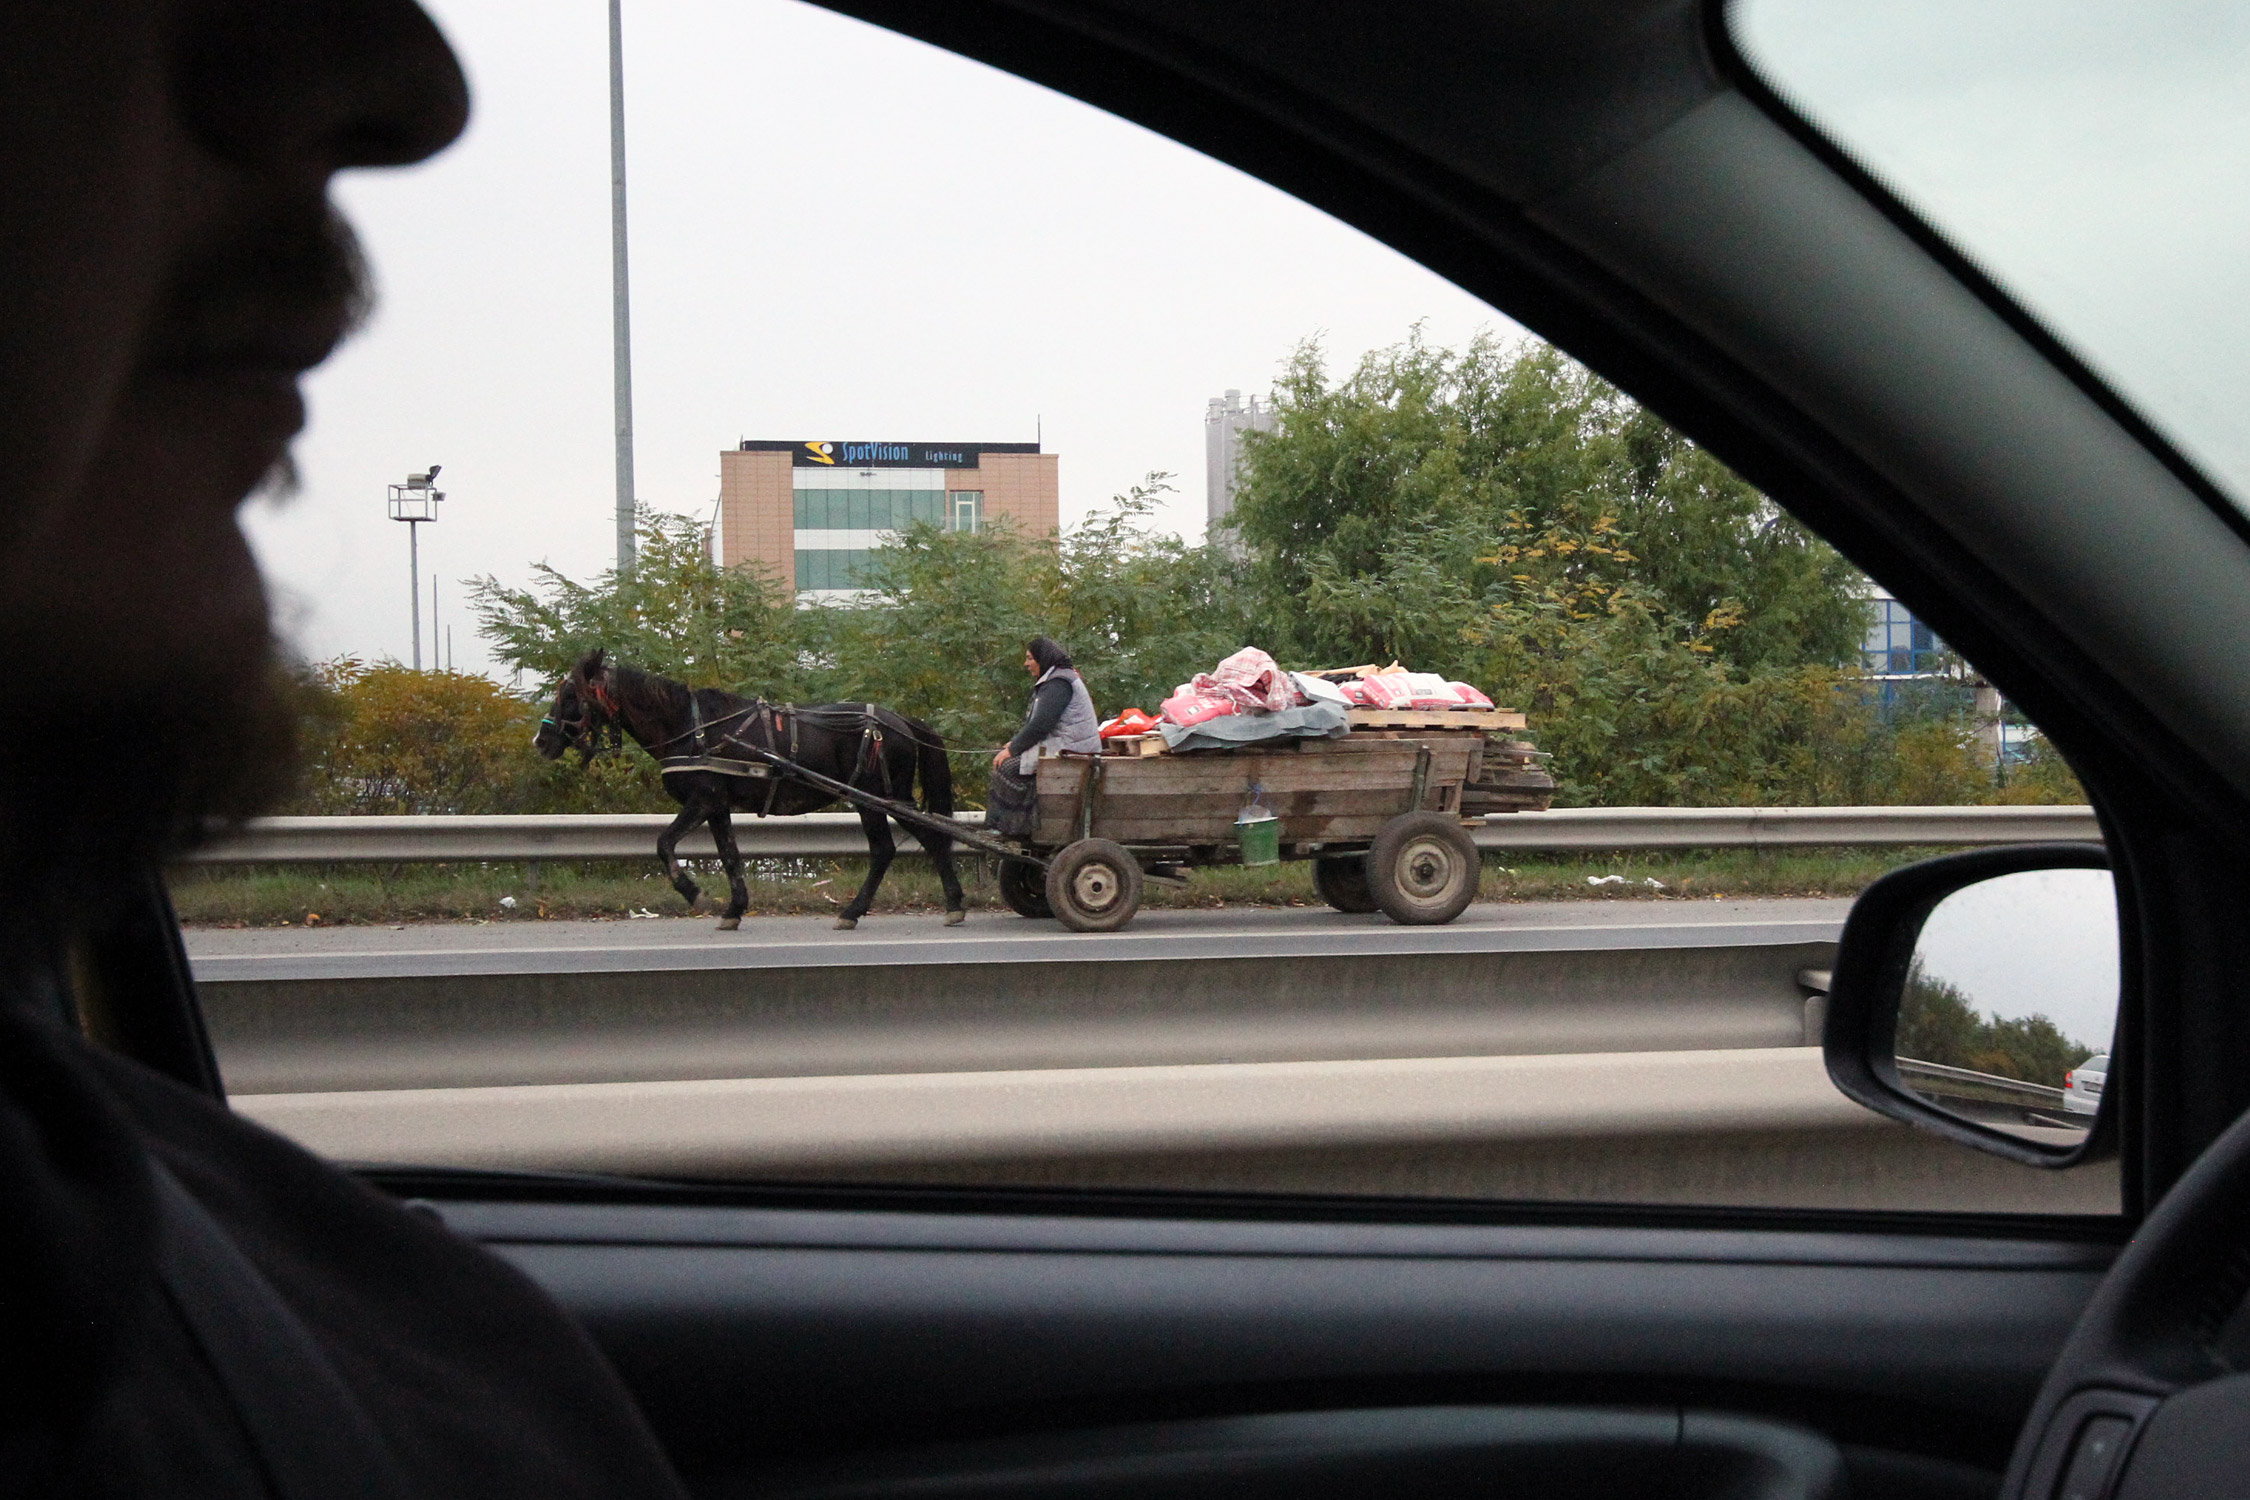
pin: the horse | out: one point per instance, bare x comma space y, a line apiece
860, 744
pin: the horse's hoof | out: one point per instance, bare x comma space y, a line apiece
846, 924
955, 918
730, 924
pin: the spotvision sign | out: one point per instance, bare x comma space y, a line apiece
826, 453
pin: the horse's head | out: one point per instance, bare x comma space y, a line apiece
581, 710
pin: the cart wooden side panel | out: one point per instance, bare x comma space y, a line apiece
1324, 791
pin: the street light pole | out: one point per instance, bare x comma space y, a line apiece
414, 583
621, 322
414, 502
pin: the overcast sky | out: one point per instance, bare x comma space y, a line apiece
837, 233
2036, 943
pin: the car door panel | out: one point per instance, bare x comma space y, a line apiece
761, 1336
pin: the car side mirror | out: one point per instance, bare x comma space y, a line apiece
1976, 996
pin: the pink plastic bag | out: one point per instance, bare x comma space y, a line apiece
1469, 695
1387, 690
1356, 690
1191, 705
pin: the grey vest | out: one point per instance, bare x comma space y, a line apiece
1081, 727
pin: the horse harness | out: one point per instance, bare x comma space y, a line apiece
768, 720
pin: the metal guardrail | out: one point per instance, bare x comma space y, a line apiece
1945, 1081
633, 835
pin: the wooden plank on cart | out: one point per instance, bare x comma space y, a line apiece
1436, 718
1323, 791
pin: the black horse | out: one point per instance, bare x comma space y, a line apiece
688, 729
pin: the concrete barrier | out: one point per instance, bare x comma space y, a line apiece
745, 1126
1741, 1127
1668, 1062
554, 1016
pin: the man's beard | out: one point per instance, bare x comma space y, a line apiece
140, 721
105, 775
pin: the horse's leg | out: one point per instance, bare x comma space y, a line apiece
694, 808
941, 854
924, 751
738, 894
880, 852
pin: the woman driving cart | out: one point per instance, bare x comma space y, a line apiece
1061, 717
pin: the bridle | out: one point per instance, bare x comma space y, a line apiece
597, 709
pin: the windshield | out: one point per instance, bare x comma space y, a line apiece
2093, 159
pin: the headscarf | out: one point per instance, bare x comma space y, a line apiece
1047, 653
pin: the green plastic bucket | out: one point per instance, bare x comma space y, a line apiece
1260, 839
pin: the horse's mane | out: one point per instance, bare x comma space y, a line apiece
646, 692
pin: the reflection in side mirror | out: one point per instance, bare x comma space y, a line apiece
2010, 1000
1977, 995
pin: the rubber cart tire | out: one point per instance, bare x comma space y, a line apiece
1423, 869
1024, 888
1341, 880
1094, 886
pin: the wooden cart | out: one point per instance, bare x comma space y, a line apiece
1380, 813
1381, 818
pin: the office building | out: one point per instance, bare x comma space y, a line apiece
811, 511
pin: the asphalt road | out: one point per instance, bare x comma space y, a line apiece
795, 942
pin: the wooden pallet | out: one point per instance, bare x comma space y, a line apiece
1478, 719
1136, 746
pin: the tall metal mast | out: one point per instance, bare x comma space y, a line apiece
621, 316
416, 502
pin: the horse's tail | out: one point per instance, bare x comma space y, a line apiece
936, 768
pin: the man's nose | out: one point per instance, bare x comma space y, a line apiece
318, 84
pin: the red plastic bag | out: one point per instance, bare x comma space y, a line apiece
1129, 723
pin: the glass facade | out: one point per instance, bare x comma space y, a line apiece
968, 511
1898, 645
868, 510
830, 568
842, 515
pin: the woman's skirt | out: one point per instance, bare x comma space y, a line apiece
1012, 803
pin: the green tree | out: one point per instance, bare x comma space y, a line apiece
1500, 515
676, 611
1711, 546
941, 631
1375, 515
1937, 1023
1139, 610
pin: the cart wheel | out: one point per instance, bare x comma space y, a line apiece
1341, 880
1423, 869
1024, 887
1094, 886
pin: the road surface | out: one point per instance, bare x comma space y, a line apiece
1165, 933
